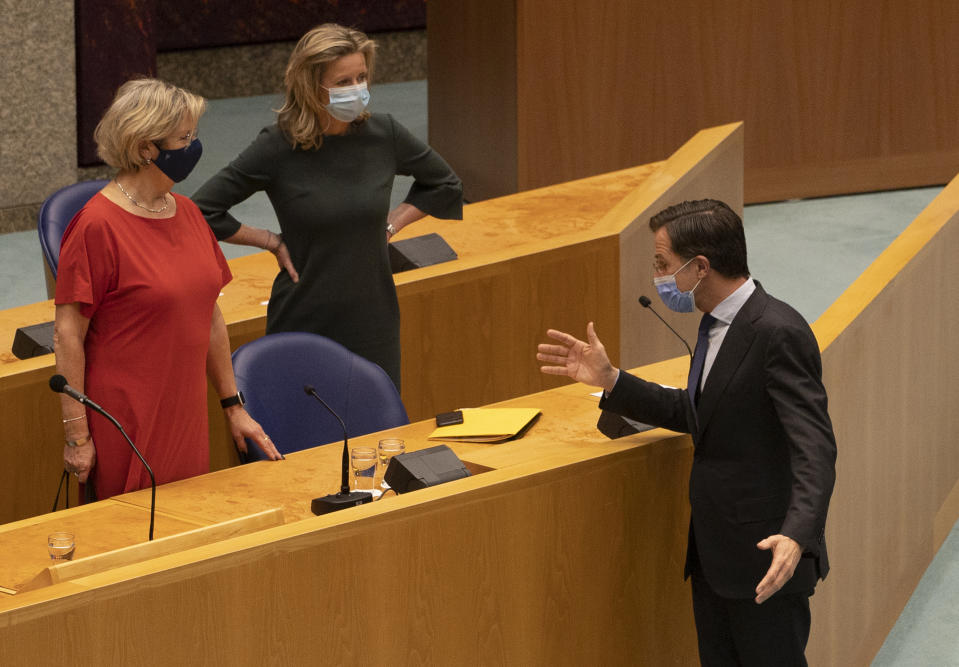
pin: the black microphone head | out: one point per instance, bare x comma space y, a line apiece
309, 389
57, 383
644, 301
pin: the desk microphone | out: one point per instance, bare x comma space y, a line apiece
616, 426
345, 498
646, 303
58, 383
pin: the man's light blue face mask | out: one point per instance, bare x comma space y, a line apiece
668, 290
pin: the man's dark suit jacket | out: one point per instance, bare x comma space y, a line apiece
765, 453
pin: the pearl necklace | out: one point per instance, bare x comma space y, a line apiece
136, 203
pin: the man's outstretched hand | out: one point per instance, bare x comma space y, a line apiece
585, 362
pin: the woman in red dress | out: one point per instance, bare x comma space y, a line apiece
137, 324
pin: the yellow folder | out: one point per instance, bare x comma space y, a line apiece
488, 425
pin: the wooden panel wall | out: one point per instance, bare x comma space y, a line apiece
472, 88
506, 308
643, 339
32, 445
468, 336
836, 97
890, 367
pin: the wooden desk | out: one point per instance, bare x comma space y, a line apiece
292, 483
568, 550
558, 256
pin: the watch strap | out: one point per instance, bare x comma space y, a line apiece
230, 401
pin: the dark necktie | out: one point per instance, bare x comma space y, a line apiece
699, 357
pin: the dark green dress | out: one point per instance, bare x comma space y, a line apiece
332, 204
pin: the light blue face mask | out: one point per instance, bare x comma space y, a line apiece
348, 102
668, 290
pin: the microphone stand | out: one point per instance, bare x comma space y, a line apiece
153, 481
58, 383
646, 303
345, 498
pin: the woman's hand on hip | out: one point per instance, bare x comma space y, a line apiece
283, 260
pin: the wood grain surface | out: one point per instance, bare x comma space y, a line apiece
836, 97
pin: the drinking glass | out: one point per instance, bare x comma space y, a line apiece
60, 545
388, 448
363, 461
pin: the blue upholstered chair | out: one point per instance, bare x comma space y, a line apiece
57, 212
272, 371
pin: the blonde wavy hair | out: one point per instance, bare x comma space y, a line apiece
302, 115
143, 110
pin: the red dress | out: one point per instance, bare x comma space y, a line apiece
148, 287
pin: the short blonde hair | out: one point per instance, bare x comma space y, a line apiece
143, 110
302, 111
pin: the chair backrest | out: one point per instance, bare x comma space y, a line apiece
272, 371
57, 212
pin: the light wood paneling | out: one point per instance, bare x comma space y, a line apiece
836, 97
644, 340
890, 368
509, 306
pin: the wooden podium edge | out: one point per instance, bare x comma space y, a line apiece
137, 553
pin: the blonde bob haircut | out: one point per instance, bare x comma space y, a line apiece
144, 110
302, 116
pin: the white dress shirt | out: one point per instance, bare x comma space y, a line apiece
724, 313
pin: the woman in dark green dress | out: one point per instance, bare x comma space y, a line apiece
328, 167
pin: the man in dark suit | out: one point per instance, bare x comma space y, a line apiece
764, 463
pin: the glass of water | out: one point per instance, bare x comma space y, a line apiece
363, 461
387, 449
61, 545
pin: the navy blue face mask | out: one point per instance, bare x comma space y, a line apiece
177, 164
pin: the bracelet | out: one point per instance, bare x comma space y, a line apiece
390, 229
73, 419
78, 443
